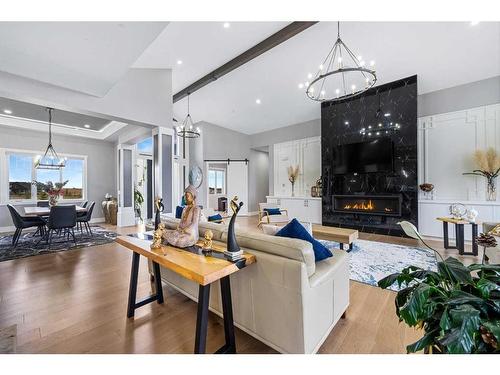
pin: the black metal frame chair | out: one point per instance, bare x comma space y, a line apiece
84, 218
62, 220
24, 222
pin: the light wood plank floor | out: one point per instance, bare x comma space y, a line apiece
75, 302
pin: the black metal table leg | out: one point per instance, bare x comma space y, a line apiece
474, 237
460, 240
350, 247
446, 237
202, 319
227, 310
132, 291
341, 246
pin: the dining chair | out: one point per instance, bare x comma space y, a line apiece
84, 204
62, 219
83, 218
24, 222
42, 204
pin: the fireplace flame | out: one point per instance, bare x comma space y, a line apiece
369, 206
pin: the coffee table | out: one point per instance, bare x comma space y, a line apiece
340, 235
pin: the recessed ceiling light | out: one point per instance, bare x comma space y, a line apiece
7, 111
86, 126
179, 62
474, 23
257, 101
226, 25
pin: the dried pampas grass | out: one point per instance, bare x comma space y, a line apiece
487, 161
293, 173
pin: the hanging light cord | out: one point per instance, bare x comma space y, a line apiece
50, 125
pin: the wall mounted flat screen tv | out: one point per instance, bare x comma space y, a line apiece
365, 157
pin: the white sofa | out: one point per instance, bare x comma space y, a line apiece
285, 299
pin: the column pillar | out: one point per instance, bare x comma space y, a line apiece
126, 177
163, 142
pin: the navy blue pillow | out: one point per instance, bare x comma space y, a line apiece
273, 211
178, 212
216, 217
296, 230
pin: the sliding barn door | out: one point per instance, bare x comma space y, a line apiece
237, 184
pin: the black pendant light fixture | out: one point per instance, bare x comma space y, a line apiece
50, 160
187, 129
342, 75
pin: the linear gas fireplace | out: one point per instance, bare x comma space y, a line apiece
387, 205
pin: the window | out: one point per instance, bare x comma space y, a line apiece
216, 181
22, 172
146, 146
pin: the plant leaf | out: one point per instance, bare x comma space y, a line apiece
466, 321
415, 308
486, 286
445, 322
494, 327
428, 339
388, 280
457, 270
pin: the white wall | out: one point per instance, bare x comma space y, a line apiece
446, 143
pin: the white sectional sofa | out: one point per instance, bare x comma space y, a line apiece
285, 299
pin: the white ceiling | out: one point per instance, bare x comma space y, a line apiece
443, 55
89, 57
92, 57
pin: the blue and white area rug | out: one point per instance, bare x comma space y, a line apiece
370, 261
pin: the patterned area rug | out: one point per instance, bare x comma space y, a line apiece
27, 245
370, 261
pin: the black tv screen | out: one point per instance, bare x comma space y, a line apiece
364, 157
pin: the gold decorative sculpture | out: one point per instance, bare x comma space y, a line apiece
186, 233
157, 236
207, 242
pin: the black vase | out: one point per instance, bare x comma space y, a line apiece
158, 210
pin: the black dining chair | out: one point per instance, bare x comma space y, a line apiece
83, 218
42, 204
62, 219
84, 204
24, 222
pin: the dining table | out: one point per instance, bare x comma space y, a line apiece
45, 211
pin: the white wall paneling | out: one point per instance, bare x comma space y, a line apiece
306, 209
303, 152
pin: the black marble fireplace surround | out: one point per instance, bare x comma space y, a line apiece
372, 202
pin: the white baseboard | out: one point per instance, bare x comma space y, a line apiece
12, 228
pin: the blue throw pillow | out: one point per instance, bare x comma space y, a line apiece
273, 211
296, 230
178, 212
215, 218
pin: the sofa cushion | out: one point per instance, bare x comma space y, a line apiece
272, 229
272, 211
290, 248
178, 212
216, 217
295, 230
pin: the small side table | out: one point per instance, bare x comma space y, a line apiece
459, 234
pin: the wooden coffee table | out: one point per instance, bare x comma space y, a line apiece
340, 235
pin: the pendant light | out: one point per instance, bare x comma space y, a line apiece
50, 160
342, 75
187, 129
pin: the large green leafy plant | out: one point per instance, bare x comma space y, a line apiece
457, 306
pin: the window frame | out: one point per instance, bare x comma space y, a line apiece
4, 177
224, 172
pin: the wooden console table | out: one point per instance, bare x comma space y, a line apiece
200, 268
459, 234
340, 235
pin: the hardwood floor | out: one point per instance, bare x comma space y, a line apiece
75, 302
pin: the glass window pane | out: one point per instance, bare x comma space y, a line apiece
20, 167
145, 146
220, 182
43, 176
211, 181
73, 173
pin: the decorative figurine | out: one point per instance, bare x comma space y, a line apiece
186, 233
471, 215
207, 242
157, 236
233, 251
159, 207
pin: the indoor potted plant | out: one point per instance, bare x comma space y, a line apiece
457, 306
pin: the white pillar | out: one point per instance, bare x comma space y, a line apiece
163, 150
126, 177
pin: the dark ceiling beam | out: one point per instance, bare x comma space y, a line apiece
277, 38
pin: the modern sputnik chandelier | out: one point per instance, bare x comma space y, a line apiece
342, 75
187, 129
50, 160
